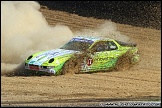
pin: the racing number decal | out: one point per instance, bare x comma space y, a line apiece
90, 61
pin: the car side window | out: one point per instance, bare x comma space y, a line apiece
101, 46
104, 46
112, 45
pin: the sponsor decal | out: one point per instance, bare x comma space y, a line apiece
52, 53
31, 62
102, 59
82, 40
40, 59
89, 61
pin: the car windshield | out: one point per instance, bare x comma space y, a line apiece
77, 44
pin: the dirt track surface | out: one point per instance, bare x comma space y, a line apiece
141, 82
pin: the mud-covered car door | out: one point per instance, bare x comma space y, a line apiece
104, 56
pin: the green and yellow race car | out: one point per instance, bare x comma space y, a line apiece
84, 54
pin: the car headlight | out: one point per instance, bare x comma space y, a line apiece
29, 57
51, 60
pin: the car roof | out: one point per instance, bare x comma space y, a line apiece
93, 38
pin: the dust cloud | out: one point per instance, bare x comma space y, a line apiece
107, 29
24, 31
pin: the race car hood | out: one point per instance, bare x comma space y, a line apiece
47, 55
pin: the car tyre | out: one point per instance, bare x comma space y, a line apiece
74, 64
124, 62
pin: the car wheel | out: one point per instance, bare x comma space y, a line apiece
124, 62
70, 67
73, 65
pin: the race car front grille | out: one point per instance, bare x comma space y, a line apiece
34, 67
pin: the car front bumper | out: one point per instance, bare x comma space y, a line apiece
48, 69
